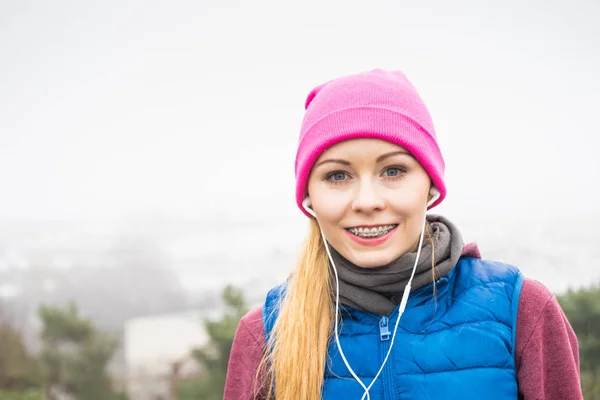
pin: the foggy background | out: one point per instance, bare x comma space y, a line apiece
147, 148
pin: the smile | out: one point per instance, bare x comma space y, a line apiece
372, 232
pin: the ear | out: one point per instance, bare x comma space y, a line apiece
434, 194
307, 204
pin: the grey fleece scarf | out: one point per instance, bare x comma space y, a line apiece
379, 290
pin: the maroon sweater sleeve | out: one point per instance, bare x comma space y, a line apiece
546, 353
246, 353
547, 357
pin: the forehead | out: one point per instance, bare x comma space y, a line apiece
362, 147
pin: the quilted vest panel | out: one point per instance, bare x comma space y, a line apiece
456, 342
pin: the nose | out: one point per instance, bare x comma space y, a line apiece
367, 199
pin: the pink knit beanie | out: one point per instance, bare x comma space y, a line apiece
377, 104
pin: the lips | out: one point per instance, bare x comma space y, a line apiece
371, 238
372, 231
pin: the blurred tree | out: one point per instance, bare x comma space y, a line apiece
31, 394
75, 355
582, 308
18, 370
213, 358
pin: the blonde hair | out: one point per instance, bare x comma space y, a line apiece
297, 350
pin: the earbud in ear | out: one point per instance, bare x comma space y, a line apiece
435, 194
307, 204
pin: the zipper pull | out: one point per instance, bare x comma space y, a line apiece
384, 330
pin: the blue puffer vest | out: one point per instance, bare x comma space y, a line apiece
458, 344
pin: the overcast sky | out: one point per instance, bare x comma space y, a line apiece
112, 108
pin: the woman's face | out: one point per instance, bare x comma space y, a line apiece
370, 197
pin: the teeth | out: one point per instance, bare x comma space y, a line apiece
372, 232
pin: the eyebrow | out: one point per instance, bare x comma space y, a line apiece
379, 159
393, 153
334, 160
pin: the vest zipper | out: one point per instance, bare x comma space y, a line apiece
386, 375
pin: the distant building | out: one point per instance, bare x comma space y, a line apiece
154, 344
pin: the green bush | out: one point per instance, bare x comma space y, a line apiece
28, 395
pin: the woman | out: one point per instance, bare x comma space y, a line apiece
386, 302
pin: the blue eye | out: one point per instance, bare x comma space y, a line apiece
338, 176
393, 172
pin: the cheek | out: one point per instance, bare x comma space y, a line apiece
330, 205
329, 211
408, 204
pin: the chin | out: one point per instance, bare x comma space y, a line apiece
373, 259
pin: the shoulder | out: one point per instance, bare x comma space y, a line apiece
251, 327
247, 351
534, 297
253, 317
474, 265
472, 271
547, 355
538, 308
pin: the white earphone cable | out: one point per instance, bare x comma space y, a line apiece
401, 309
400, 312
